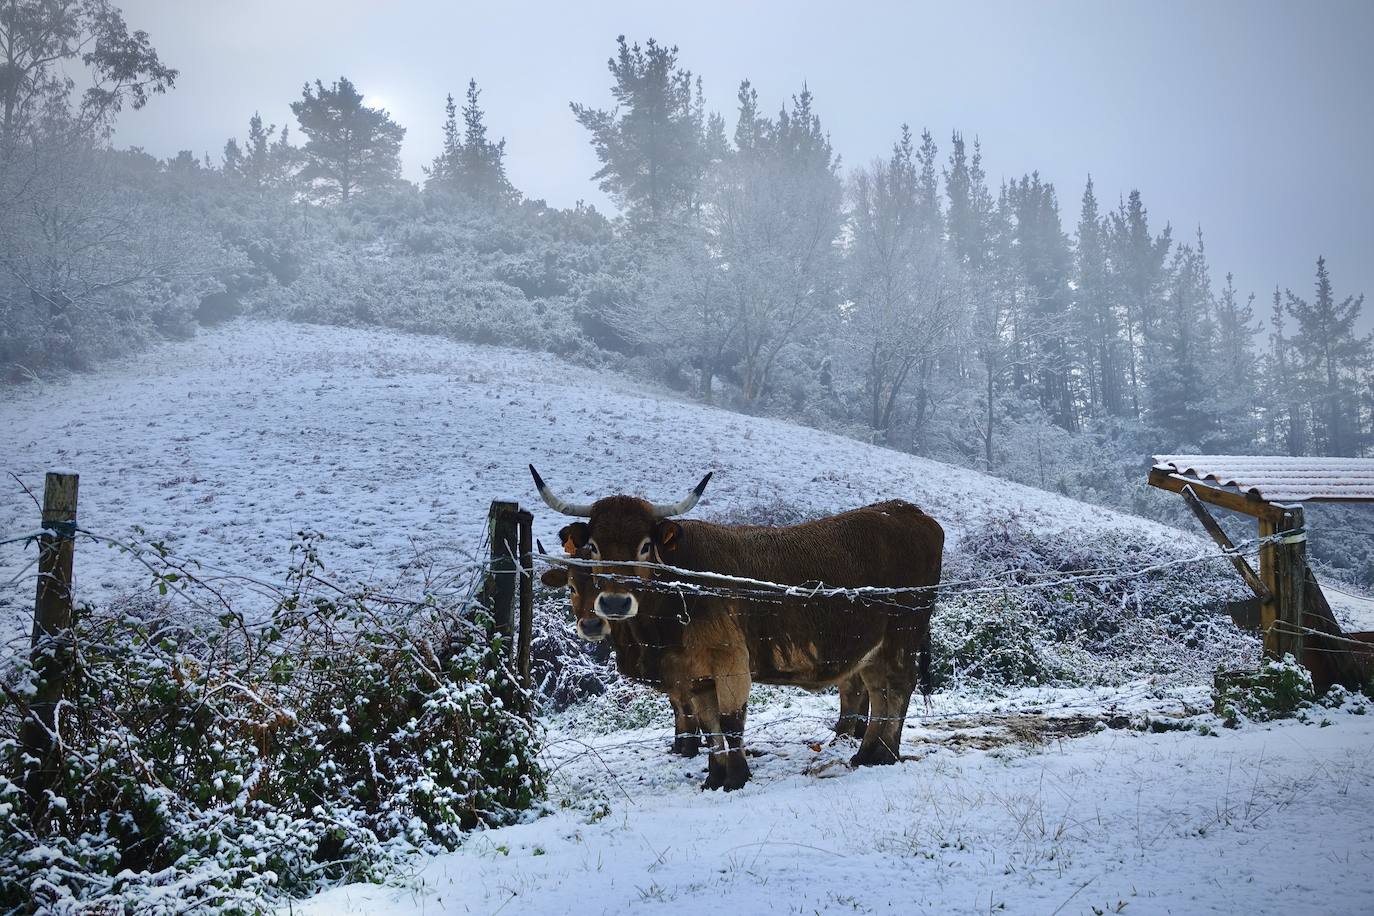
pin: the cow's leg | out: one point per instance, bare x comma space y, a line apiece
732, 699
890, 684
707, 709
686, 734
736, 764
853, 709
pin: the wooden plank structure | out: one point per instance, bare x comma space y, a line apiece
1294, 616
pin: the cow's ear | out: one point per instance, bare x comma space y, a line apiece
555, 577
667, 534
574, 536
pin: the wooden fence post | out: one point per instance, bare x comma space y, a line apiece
1269, 575
503, 526
526, 596
1291, 573
51, 644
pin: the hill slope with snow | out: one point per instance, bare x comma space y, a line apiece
393, 445
225, 446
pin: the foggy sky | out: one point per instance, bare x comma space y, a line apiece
1254, 120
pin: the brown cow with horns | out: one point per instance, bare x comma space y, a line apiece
698, 643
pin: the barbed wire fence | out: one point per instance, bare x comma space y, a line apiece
213, 589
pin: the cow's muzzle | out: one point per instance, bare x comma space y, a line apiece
593, 629
616, 605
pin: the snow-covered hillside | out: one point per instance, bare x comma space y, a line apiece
393, 445
225, 446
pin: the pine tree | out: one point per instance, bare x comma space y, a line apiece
349, 147
1182, 405
902, 284
1042, 256
1137, 273
649, 145
1235, 376
1331, 357
470, 164
1094, 313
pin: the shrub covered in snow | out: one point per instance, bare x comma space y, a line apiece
208, 768
1275, 691
1092, 609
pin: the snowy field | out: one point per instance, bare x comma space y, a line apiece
393, 445
1012, 810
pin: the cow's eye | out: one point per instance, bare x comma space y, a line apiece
644, 549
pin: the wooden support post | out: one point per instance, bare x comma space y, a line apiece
1269, 607
503, 525
526, 596
51, 644
1224, 542
1291, 572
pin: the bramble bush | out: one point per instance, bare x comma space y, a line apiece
220, 767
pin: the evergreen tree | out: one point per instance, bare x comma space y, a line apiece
902, 285
1283, 398
469, 163
1095, 314
1236, 379
1042, 262
774, 215
649, 145
1137, 274
1182, 405
1331, 358
350, 147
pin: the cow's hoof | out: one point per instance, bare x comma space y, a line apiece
685, 746
736, 780
878, 757
711, 784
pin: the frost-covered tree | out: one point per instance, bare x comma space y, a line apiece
261, 161
1137, 275
1331, 357
1182, 397
350, 147
649, 144
1095, 316
903, 284
775, 214
1042, 260
469, 164
1236, 378
42, 42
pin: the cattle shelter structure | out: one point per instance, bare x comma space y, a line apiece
1289, 607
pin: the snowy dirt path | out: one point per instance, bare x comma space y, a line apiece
1264, 820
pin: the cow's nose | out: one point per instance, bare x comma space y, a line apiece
593, 630
615, 606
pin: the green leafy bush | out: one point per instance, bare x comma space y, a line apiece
1277, 690
215, 767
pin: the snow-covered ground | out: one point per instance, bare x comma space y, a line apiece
393, 445
1011, 810
225, 446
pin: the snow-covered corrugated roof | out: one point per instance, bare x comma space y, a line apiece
1280, 479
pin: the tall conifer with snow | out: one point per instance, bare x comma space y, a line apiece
1331, 359
649, 144
350, 147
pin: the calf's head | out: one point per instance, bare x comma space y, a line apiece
581, 592
619, 534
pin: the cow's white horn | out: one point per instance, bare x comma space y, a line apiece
679, 508
574, 509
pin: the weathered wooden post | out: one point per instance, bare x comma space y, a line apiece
51, 644
1291, 572
526, 596
503, 524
